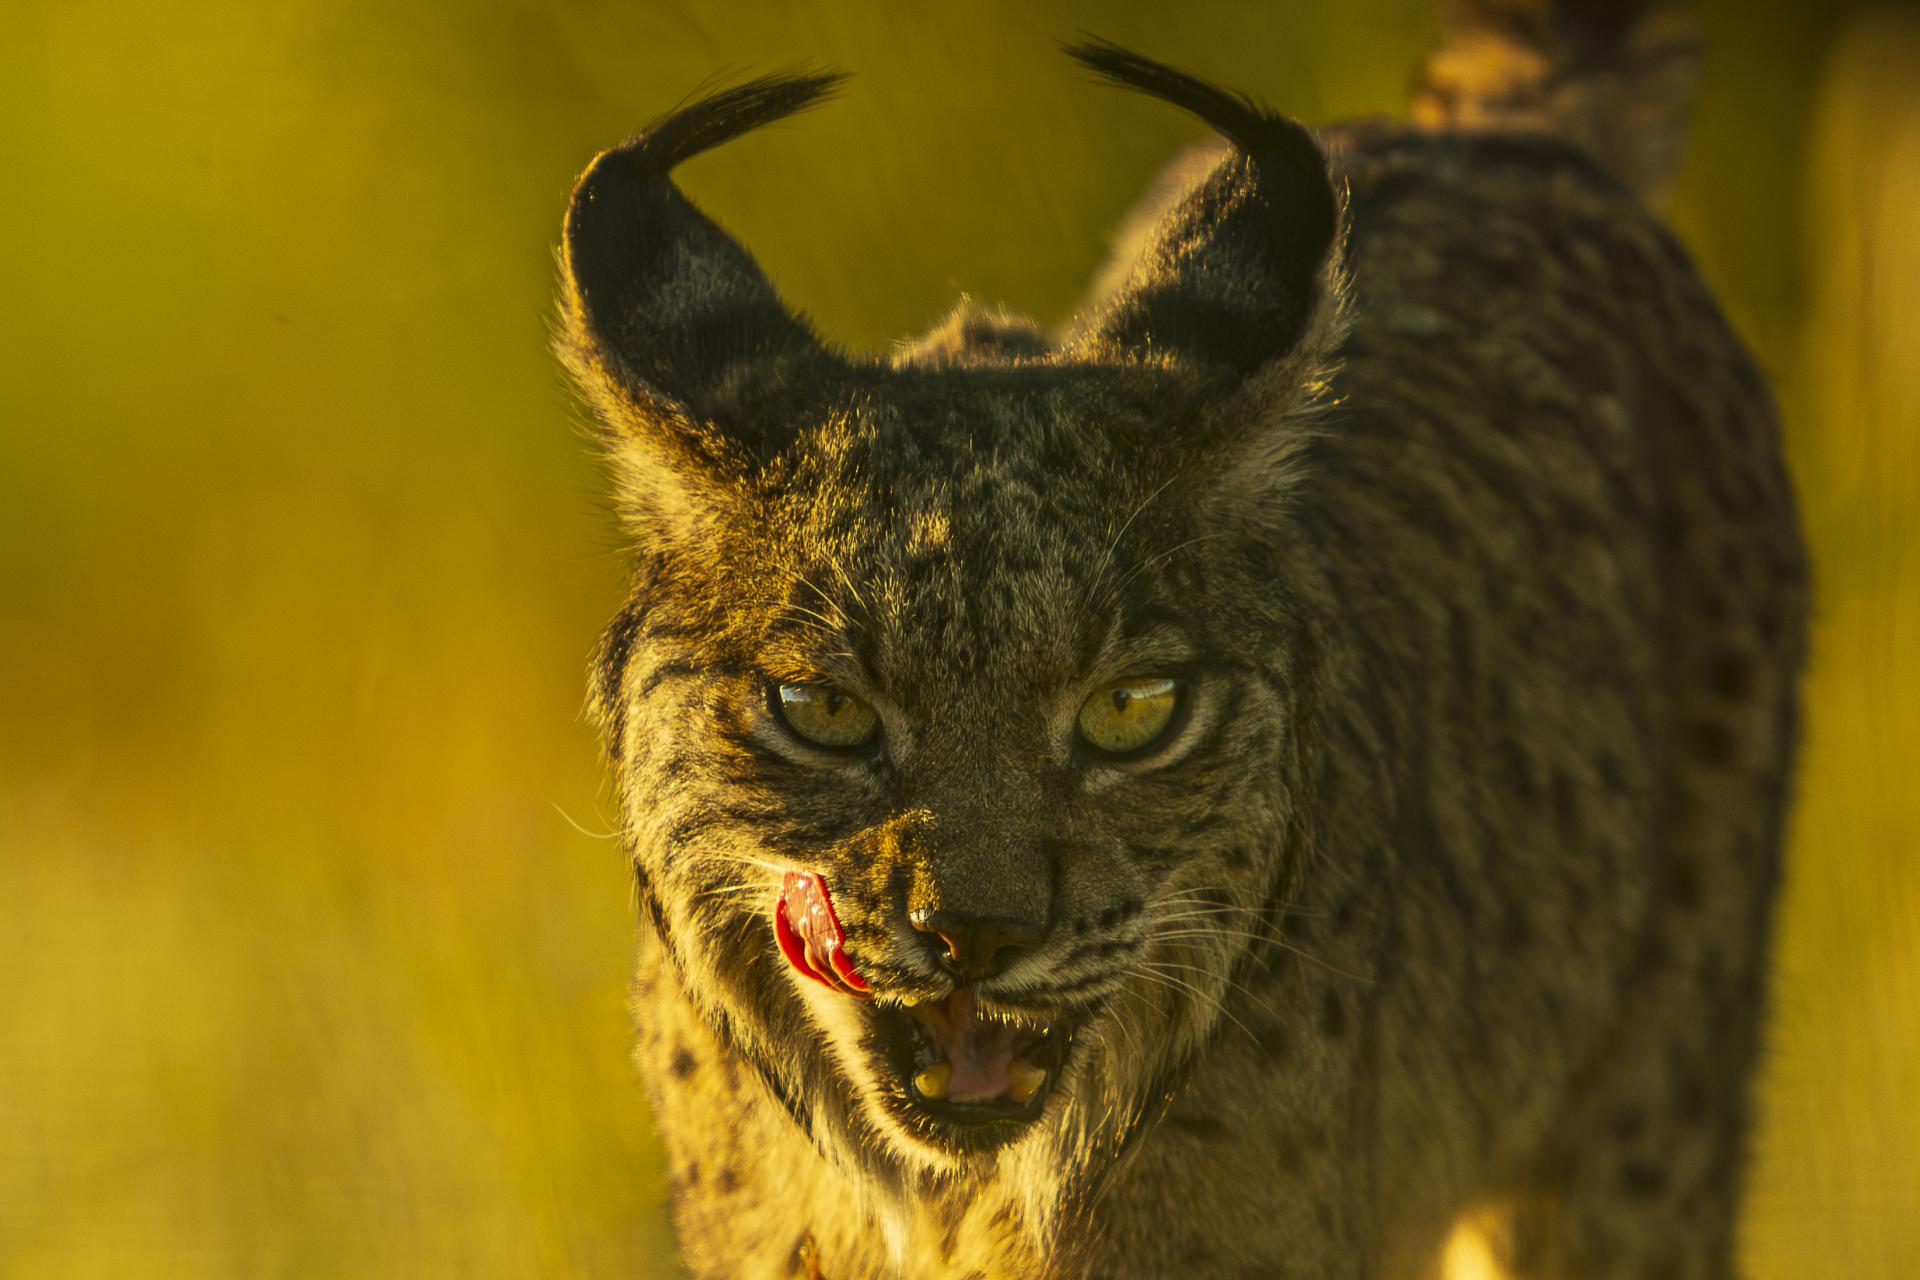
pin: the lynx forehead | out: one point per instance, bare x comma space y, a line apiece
1223, 789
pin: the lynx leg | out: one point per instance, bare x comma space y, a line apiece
1645, 1183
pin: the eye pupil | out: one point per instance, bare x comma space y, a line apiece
1129, 716
835, 701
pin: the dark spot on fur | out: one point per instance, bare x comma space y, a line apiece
1274, 1041
1712, 742
615, 648
1630, 1124
1670, 531
1515, 933
1730, 676
1333, 1015
729, 1180
1518, 771
650, 907
1565, 808
1500, 700
1498, 594
1597, 1256
1683, 883
1327, 788
1196, 1251
683, 1063
1693, 1097
1612, 772
1642, 1179
684, 830
951, 1216
1198, 1126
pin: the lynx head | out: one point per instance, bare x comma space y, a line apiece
982, 653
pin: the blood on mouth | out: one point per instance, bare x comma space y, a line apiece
810, 935
968, 1057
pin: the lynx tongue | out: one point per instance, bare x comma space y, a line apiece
981, 1053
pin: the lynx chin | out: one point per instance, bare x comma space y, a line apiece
1225, 788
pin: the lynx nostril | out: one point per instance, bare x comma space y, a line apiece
975, 947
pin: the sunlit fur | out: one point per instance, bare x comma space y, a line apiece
1484, 573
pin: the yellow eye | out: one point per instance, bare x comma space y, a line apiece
1129, 715
826, 716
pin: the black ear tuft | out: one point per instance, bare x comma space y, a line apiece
669, 324
1235, 116
705, 123
1238, 272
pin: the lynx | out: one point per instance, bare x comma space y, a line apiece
1222, 790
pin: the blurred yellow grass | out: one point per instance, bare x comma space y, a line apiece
309, 961
1839, 1175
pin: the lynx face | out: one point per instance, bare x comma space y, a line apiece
973, 655
980, 684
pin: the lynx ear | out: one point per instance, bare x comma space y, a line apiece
1241, 269
668, 325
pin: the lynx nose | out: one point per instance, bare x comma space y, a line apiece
975, 947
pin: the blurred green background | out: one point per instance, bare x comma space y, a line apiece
311, 957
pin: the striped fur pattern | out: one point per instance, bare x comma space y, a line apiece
1435, 469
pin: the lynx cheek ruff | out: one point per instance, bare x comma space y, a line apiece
810, 935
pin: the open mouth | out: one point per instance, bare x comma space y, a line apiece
974, 1075
968, 1067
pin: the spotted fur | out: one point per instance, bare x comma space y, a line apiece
1429, 459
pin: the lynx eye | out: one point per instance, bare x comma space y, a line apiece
1128, 716
826, 716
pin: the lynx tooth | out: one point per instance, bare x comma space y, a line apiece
1024, 1080
931, 1082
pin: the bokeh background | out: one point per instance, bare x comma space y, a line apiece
312, 945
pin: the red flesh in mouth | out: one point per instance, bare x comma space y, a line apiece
810, 935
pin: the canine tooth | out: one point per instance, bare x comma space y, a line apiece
932, 1081
1024, 1080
